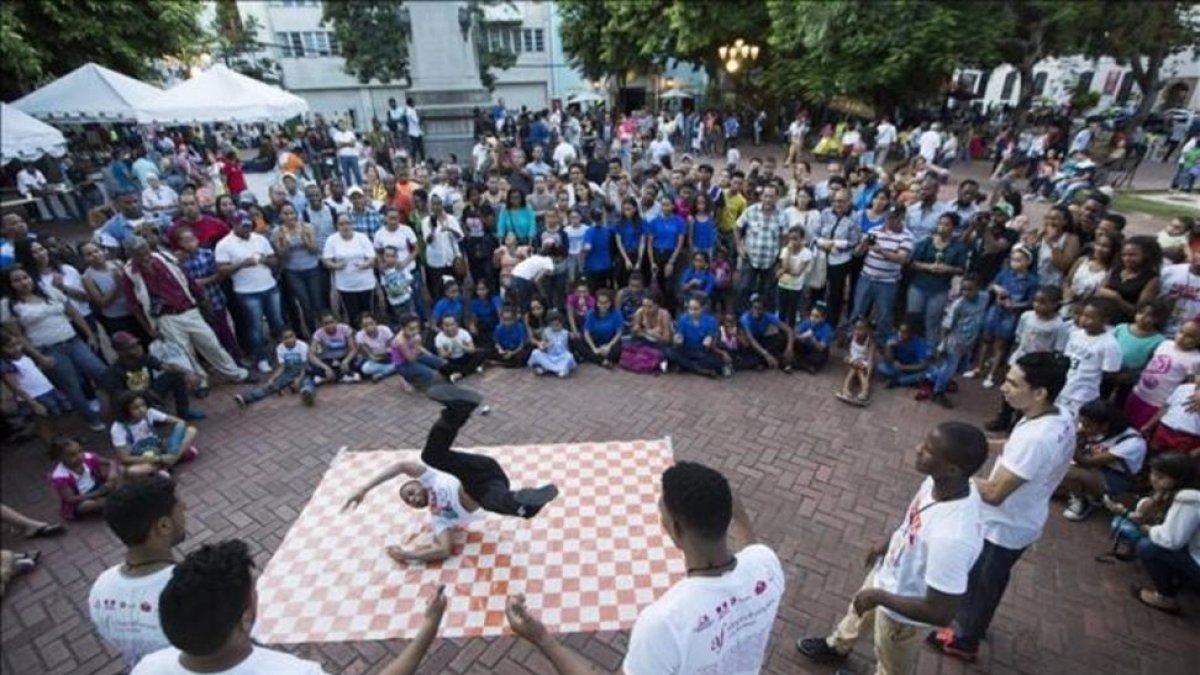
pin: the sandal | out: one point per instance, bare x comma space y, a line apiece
1155, 600
26, 561
46, 530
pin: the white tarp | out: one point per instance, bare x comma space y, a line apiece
25, 138
92, 93
221, 95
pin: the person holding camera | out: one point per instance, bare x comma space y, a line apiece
887, 249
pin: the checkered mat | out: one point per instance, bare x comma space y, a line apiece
589, 562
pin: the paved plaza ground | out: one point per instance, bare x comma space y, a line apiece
822, 482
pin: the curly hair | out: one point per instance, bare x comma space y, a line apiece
699, 498
206, 597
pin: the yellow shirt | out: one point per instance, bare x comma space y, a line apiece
735, 204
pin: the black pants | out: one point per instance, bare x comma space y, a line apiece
584, 353
775, 344
812, 361
355, 303
517, 359
416, 148
481, 476
666, 284
699, 361
465, 364
835, 292
168, 386
599, 279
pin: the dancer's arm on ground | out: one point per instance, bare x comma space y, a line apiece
408, 660
741, 533
408, 468
528, 626
439, 550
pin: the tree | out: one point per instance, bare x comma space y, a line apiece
609, 37
43, 40
487, 57
374, 36
235, 41
1141, 34
887, 53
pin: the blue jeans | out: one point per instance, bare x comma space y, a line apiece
878, 295
423, 371
890, 372
254, 307
74, 361
985, 588
942, 373
753, 280
377, 370
351, 172
928, 306
306, 288
1169, 570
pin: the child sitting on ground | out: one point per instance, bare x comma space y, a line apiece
859, 362
1169, 474
1109, 456
291, 355
333, 352
374, 344
722, 272
814, 335
32, 390
629, 299
905, 358
451, 304
413, 362
82, 480
1176, 425
601, 340
734, 346
484, 313
552, 353
138, 445
961, 330
698, 280
456, 346
1041, 329
510, 340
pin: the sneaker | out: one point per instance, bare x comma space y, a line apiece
244, 376
942, 641
537, 370
479, 369
308, 396
455, 377
94, 406
193, 414
564, 373
264, 367
240, 401
663, 366
943, 400
318, 380
1078, 509
533, 499
971, 374
818, 649
988, 382
97, 426
483, 410
351, 378
727, 371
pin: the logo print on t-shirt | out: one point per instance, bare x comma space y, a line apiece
146, 607
760, 587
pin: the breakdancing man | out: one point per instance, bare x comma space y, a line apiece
456, 486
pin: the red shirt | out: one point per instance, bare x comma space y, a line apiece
162, 287
235, 178
208, 230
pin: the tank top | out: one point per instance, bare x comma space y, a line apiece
300, 259
1048, 274
1083, 286
116, 309
1129, 289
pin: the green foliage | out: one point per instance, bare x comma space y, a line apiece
612, 37
44, 39
373, 35
235, 41
489, 59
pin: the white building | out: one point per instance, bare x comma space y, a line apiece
311, 66
1055, 79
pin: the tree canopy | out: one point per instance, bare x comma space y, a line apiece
373, 35
42, 40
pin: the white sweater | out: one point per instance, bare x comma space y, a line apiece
1181, 529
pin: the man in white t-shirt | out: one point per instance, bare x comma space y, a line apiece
1094, 355
719, 618
1016, 495
919, 578
885, 138
1181, 283
208, 610
347, 153
149, 520
456, 486
416, 138
563, 156
248, 257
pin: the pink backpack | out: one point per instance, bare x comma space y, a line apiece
638, 357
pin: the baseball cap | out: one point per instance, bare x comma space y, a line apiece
1003, 207
354, 190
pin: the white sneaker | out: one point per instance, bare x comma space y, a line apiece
318, 379
971, 374
988, 382
94, 406
663, 365
538, 370
563, 373
455, 377
351, 378
1077, 509
264, 367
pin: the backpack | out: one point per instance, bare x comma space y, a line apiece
637, 357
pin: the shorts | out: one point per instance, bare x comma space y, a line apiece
1166, 439
999, 323
1116, 482
50, 400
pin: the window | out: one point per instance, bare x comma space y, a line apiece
539, 40
297, 45
1039, 83
1125, 89
514, 40
1010, 81
1085, 81
528, 35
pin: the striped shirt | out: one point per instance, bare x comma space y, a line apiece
875, 265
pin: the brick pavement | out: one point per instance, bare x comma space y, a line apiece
822, 481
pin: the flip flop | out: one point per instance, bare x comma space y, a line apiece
47, 530
1140, 594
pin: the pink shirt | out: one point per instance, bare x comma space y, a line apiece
1168, 368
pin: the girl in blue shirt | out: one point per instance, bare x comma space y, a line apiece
695, 344
703, 232
510, 340
697, 279
517, 217
602, 329
631, 245
450, 305
484, 313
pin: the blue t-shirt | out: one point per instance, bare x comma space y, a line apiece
1020, 287
603, 328
758, 327
910, 351
693, 334
448, 307
486, 312
821, 332
966, 322
509, 336
706, 279
666, 231
631, 235
704, 234
599, 256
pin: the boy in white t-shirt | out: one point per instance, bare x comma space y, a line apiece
455, 344
205, 640
291, 355
30, 387
1094, 355
919, 578
716, 620
1107, 460
1016, 494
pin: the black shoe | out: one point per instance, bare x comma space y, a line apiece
533, 499
818, 650
943, 400
457, 399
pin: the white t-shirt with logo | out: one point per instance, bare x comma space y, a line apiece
232, 249
445, 507
935, 547
1129, 446
455, 347
129, 434
262, 661
719, 625
1167, 368
354, 252
1039, 451
1091, 357
1177, 416
124, 610
294, 356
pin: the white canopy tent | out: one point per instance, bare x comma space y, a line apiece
25, 138
586, 97
674, 93
222, 95
91, 93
